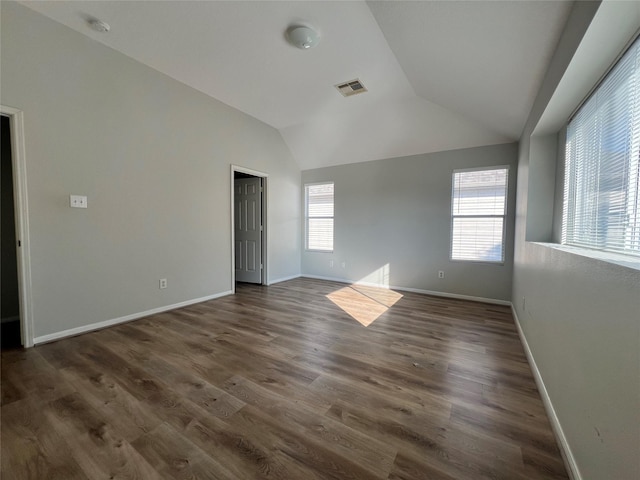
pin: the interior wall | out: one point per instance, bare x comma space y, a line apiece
392, 224
541, 199
578, 314
558, 204
154, 158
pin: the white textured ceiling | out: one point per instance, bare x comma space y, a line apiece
441, 75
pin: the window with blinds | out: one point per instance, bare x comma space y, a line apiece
602, 173
319, 217
478, 210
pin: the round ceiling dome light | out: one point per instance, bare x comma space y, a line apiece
99, 25
303, 37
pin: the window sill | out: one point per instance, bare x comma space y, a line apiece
481, 262
610, 257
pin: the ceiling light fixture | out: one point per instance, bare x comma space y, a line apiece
303, 37
99, 25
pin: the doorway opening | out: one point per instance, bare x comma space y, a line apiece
10, 298
15, 281
249, 226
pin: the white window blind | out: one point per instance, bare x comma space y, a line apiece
602, 174
478, 208
319, 217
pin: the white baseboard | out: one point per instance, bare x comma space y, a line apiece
493, 301
320, 277
127, 318
415, 290
565, 449
283, 279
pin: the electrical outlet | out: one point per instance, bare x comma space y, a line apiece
440, 274
330, 263
163, 283
78, 201
344, 264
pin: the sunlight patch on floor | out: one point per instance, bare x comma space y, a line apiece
364, 304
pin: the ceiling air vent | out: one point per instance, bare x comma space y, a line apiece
353, 87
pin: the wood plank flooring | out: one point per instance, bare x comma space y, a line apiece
281, 382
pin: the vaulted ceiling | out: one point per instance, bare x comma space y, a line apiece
440, 75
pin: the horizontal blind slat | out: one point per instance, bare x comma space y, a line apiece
602, 175
478, 207
319, 215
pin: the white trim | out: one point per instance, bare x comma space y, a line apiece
127, 318
331, 279
457, 296
503, 216
565, 449
306, 216
479, 169
284, 279
617, 258
265, 236
471, 298
16, 122
249, 171
324, 182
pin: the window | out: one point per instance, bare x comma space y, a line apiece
478, 210
602, 175
319, 217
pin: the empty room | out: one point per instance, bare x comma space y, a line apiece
320, 240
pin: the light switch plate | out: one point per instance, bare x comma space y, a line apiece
78, 201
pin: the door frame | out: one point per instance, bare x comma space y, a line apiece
264, 176
21, 211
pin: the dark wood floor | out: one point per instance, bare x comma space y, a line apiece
281, 382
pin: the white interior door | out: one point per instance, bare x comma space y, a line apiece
248, 229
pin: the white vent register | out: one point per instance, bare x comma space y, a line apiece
353, 87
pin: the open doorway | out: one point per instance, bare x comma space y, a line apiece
10, 297
15, 282
249, 226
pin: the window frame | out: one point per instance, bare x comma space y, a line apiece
503, 216
306, 217
574, 173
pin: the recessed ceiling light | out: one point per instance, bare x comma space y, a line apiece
99, 25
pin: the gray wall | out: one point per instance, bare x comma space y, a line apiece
541, 199
153, 156
393, 224
581, 317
